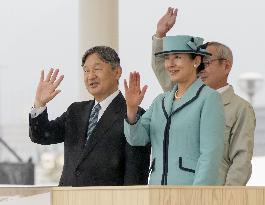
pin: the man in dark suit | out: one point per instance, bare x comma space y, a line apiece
96, 151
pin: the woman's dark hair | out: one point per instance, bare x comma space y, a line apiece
201, 66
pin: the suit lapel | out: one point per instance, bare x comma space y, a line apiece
109, 117
189, 94
169, 99
84, 121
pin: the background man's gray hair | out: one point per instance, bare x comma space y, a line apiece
223, 51
105, 53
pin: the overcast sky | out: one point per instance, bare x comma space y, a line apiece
42, 34
36, 35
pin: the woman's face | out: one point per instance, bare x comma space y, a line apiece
181, 67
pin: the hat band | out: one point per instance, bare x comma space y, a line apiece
182, 51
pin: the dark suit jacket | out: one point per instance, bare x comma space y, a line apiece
106, 159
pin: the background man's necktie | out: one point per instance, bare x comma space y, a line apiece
93, 120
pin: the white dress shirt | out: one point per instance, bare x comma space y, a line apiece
222, 89
105, 103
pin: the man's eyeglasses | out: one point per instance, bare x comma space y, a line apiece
206, 63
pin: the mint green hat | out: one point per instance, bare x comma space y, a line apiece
183, 44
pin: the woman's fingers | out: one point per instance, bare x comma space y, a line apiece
125, 86
143, 91
130, 79
138, 81
133, 80
134, 83
133, 92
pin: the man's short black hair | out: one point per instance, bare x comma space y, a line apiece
105, 53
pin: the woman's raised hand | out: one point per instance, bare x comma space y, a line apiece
133, 95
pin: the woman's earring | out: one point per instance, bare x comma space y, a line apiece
194, 65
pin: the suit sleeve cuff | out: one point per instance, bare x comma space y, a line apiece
136, 120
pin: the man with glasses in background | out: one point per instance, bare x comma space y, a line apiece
240, 119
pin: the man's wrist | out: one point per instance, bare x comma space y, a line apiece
38, 105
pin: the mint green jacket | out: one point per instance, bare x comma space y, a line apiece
195, 136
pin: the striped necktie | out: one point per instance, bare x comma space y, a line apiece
93, 120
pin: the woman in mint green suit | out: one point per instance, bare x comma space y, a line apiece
185, 125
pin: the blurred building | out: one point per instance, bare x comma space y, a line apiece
259, 143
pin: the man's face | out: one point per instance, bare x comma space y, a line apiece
216, 71
100, 78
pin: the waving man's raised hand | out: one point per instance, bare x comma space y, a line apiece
47, 88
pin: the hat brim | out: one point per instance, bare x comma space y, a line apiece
163, 53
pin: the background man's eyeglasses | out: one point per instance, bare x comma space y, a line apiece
208, 62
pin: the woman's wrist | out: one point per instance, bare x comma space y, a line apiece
131, 114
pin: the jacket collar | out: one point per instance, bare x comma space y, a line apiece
188, 95
227, 95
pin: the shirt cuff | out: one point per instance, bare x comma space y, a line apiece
156, 38
35, 112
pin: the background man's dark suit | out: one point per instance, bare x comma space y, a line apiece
106, 159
